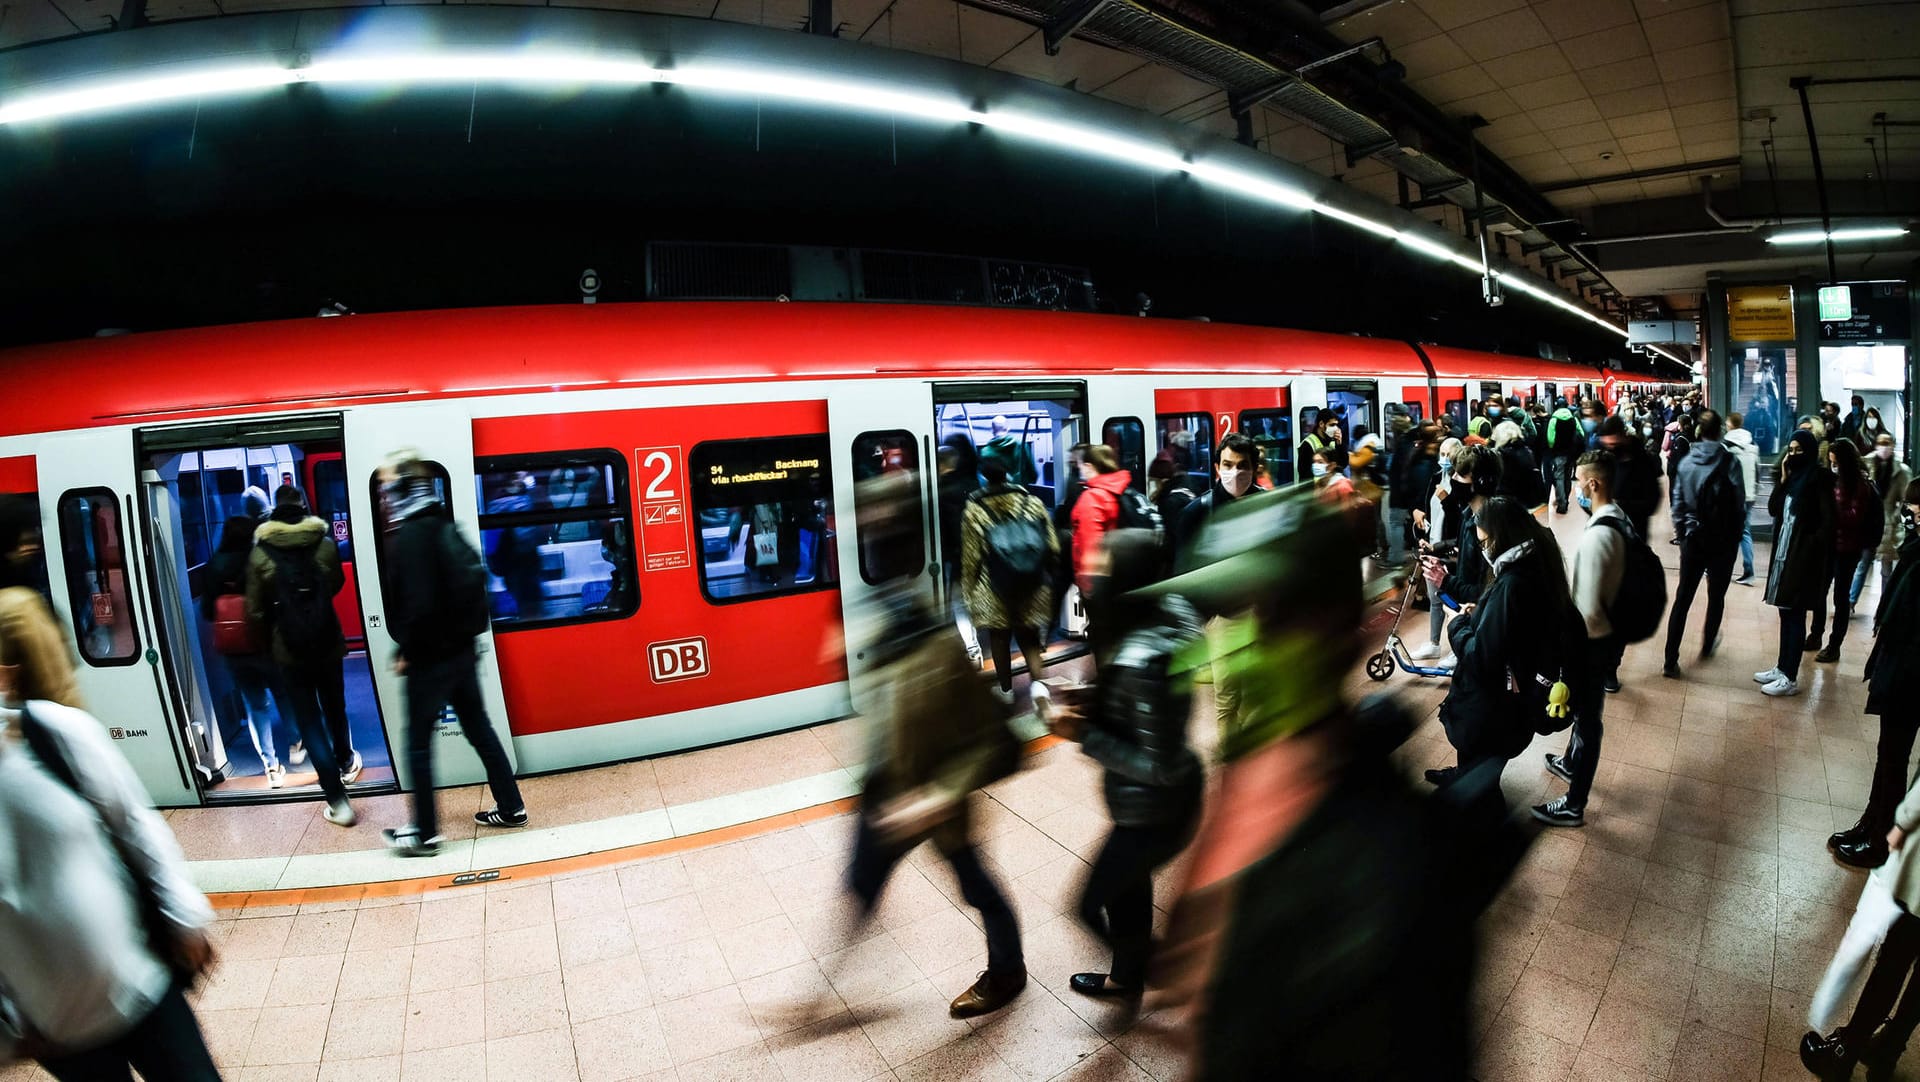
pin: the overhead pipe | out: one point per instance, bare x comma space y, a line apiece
1800, 83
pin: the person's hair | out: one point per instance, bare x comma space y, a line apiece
1613, 426
1514, 401
1708, 426
1884, 437
1505, 432
1476, 461
1508, 525
1912, 495
1101, 457
1161, 468
1853, 471
1858, 399
406, 462
1685, 421
1336, 458
1735, 420
237, 534
993, 470
1240, 444
1449, 450
1602, 460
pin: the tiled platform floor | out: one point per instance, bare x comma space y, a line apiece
1676, 936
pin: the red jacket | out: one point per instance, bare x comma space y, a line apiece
1094, 513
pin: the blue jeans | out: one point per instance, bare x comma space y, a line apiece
1746, 544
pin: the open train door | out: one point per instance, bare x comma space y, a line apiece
104, 593
443, 437
883, 430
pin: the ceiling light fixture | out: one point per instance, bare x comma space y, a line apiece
1815, 236
571, 70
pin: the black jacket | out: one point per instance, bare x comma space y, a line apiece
1198, 512
1514, 629
1636, 482
1138, 731
1520, 476
1469, 575
1411, 483
1893, 669
416, 582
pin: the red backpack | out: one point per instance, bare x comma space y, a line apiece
234, 635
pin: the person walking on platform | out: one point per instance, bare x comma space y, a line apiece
1890, 477
1857, 527
101, 928
1008, 549
46, 661
1802, 509
1636, 483
1709, 507
1136, 730
291, 579
1599, 565
1234, 464
1565, 443
1740, 442
1893, 693
436, 606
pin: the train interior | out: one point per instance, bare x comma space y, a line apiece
1357, 404
554, 548
773, 531
214, 497
1041, 432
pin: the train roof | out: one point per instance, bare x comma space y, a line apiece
408, 356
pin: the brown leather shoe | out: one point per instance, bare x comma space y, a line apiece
988, 994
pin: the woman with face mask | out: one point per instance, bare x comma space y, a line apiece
1890, 478
1803, 513
1857, 527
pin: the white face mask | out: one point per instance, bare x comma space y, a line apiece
1319, 469
1873, 422
1883, 451
1236, 482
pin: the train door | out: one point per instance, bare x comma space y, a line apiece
883, 440
1357, 403
442, 435
103, 594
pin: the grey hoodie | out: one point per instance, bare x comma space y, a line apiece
1704, 459
1740, 442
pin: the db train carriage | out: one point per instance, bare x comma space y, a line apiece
664, 493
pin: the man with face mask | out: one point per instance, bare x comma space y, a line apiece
1234, 466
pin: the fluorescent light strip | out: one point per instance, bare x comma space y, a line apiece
1815, 236
564, 70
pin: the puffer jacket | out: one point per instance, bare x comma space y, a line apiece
1138, 732
989, 505
312, 535
1513, 629
1740, 442
1094, 513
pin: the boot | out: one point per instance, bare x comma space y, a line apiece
1831, 653
1829, 1058
1853, 835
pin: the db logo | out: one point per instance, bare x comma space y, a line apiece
679, 659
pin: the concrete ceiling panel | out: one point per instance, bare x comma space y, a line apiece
1708, 22
1092, 65
1625, 75
1625, 103
1494, 106
1698, 88
1451, 86
1814, 35
1502, 35
1664, 139
1653, 9
1154, 88
1566, 114
1663, 158
1606, 47
1398, 23
1579, 134
1694, 134
1642, 123
1431, 56
1560, 88
1530, 66
1708, 56
1566, 19
986, 37
1723, 111
1447, 14
1587, 160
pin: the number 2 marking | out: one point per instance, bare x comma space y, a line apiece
655, 487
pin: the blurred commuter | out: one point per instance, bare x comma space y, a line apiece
1802, 506
1519, 473
1136, 730
1167, 488
436, 606
1709, 510
45, 660
959, 478
1008, 550
1679, 442
292, 575
1235, 463
1857, 527
1890, 477
938, 738
1328, 480
1565, 443
1293, 937
256, 504
1511, 644
1636, 481
1409, 476
1740, 442
242, 646
1855, 424
1457, 571
1599, 565
1872, 428
1326, 433
101, 927
1097, 511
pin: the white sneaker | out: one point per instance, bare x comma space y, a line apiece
352, 773
297, 754
1451, 661
276, 776
1781, 687
1769, 676
1425, 653
341, 814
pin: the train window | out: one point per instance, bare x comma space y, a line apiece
893, 539
1189, 438
557, 537
96, 564
765, 511
1128, 438
329, 502
1416, 411
1456, 410
1272, 432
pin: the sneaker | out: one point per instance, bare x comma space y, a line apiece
1612, 686
1672, 671
1425, 653
1449, 663
1557, 766
340, 814
297, 754
1831, 653
1005, 695
1558, 813
498, 818
352, 773
1441, 775
407, 842
276, 776
1744, 580
1769, 676
1781, 687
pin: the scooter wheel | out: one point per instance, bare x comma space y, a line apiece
1380, 666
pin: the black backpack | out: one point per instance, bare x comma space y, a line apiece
1719, 507
1138, 513
303, 606
1568, 439
1016, 555
465, 604
1637, 609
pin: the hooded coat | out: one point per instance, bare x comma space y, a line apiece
1740, 442
1094, 513
308, 538
988, 609
1705, 460
1803, 511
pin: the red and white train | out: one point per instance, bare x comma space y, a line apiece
665, 492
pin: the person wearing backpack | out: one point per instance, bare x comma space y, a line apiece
241, 646
1565, 444
1709, 508
436, 590
1098, 510
1599, 569
1008, 549
292, 575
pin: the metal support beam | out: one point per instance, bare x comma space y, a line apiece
133, 13
1430, 190
1243, 128
1819, 175
1056, 33
1243, 101
1535, 249
1355, 155
1641, 174
820, 18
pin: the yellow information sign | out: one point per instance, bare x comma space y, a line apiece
1760, 313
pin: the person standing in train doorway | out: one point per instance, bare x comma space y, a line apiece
436, 590
291, 579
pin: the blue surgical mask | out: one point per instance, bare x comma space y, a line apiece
1493, 411
1589, 424
1319, 469
1586, 503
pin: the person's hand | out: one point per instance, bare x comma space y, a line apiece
196, 952
1894, 838
399, 666
1419, 522
1467, 609
1434, 571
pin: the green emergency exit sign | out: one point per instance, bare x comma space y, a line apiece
1836, 303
